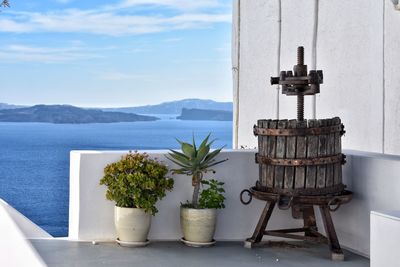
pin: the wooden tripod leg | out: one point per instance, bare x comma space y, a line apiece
261, 225
309, 220
336, 251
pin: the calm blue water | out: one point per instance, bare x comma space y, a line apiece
34, 158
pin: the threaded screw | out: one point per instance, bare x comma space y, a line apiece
300, 96
300, 107
300, 55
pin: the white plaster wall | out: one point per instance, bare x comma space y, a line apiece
357, 48
374, 180
15, 248
91, 215
296, 31
385, 236
350, 50
392, 79
28, 228
258, 59
372, 177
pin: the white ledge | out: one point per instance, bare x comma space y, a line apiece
15, 249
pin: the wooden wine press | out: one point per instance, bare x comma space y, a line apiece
300, 165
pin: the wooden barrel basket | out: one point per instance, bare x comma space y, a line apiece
300, 157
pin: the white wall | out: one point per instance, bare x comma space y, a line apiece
91, 215
15, 249
373, 178
385, 235
357, 48
392, 80
28, 228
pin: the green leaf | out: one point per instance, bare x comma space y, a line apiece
178, 153
182, 159
216, 163
194, 144
136, 181
178, 163
204, 143
212, 155
202, 153
179, 141
188, 150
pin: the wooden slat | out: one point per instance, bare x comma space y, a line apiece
271, 151
312, 152
264, 151
280, 154
301, 150
330, 151
337, 176
261, 167
321, 170
290, 154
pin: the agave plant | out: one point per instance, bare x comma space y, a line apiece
195, 161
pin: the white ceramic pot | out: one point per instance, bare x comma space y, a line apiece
198, 225
132, 224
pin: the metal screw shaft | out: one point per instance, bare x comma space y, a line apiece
300, 107
300, 55
300, 96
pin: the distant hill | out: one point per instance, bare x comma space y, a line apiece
9, 106
175, 107
67, 114
205, 114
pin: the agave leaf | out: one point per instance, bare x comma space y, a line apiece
204, 143
178, 163
179, 141
183, 160
202, 153
217, 162
211, 142
179, 154
212, 155
194, 144
188, 150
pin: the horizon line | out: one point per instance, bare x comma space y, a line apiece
122, 106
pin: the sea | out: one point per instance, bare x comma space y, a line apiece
34, 158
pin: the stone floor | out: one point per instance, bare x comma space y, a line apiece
63, 253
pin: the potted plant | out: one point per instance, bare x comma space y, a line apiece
135, 183
198, 217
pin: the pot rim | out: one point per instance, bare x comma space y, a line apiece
198, 209
115, 206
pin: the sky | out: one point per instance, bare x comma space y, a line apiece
115, 53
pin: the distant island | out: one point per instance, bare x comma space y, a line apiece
175, 107
205, 114
8, 106
67, 114
189, 109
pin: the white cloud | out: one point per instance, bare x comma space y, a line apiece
173, 4
173, 40
25, 53
109, 20
139, 50
119, 76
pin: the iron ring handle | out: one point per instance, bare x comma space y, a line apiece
249, 194
334, 201
283, 207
